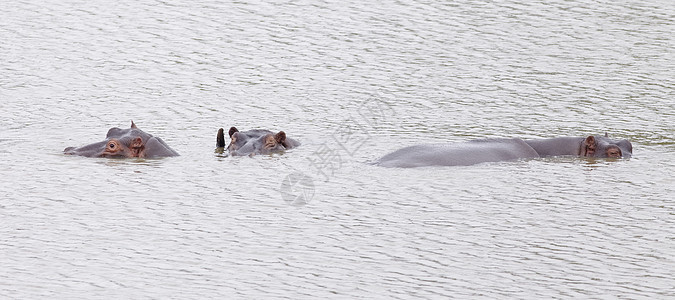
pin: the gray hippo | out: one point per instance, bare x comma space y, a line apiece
256, 141
131, 142
493, 150
459, 154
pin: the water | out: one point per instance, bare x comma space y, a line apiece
352, 81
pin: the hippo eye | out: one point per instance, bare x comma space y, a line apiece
614, 153
111, 145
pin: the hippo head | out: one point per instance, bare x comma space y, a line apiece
238, 139
131, 142
602, 146
264, 144
257, 141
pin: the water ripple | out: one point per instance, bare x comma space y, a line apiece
202, 225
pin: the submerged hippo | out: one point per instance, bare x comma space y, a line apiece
459, 154
493, 150
131, 142
256, 141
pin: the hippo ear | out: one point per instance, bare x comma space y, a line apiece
136, 143
220, 139
590, 140
233, 130
133, 125
588, 146
280, 137
137, 148
606, 135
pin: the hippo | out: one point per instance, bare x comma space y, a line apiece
256, 141
493, 150
591, 146
459, 154
131, 142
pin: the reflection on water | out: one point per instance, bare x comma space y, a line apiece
352, 81
112, 162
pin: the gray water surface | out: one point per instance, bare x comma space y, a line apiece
352, 81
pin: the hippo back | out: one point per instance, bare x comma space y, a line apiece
557, 146
459, 154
